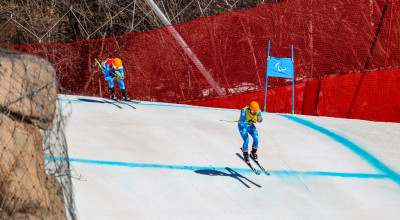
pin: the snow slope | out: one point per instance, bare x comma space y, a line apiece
166, 161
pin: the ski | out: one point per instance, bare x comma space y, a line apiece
127, 103
259, 165
130, 101
117, 100
121, 101
110, 102
248, 164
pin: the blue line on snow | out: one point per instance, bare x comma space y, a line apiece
194, 168
350, 145
143, 165
387, 172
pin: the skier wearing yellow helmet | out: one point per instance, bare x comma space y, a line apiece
113, 69
249, 115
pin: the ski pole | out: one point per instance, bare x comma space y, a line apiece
98, 63
229, 121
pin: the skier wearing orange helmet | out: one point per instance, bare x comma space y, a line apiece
249, 115
113, 69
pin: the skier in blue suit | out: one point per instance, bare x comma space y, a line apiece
249, 115
113, 69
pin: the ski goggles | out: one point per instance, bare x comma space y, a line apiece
116, 68
252, 112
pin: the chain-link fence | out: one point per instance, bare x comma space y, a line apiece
26, 22
35, 177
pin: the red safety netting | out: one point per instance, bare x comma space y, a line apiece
330, 38
369, 96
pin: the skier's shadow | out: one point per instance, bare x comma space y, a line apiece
91, 100
104, 101
231, 173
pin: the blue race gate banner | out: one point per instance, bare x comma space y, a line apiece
279, 67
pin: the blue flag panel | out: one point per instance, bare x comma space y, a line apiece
280, 67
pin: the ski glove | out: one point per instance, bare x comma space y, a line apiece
118, 75
258, 118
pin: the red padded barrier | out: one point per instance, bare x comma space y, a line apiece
371, 96
310, 100
278, 100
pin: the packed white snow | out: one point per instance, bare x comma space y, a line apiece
166, 161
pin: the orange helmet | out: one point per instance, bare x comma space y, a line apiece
117, 63
254, 107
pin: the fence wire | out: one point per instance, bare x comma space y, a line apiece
35, 174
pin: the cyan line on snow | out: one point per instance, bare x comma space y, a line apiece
143, 165
351, 146
194, 168
387, 172
156, 104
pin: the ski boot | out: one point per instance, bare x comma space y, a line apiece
246, 157
124, 95
112, 94
254, 154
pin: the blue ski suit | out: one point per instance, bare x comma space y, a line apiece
110, 73
246, 126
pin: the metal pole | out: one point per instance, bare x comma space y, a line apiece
292, 85
185, 47
266, 82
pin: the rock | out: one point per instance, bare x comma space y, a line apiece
27, 103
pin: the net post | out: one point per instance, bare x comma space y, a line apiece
266, 81
292, 84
